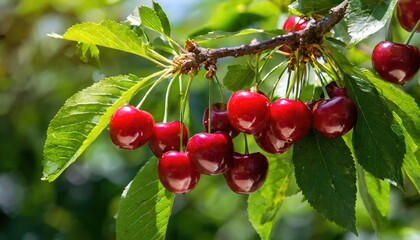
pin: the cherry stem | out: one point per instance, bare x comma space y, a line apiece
219, 85
277, 82
165, 115
183, 106
292, 84
412, 32
246, 144
210, 104
321, 79
164, 74
257, 70
389, 35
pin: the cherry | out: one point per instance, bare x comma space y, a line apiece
395, 62
333, 90
219, 120
130, 128
311, 103
210, 152
334, 117
166, 137
177, 172
290, 120
270, 143
248, 111
293, 24
246, 172
408, 13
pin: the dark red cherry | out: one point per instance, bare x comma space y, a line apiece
293, 24
408, 13
248, 111
334, 90
394, 62
270, 143
290, 120
246, 172
130, 128
166, 137
210, 152
177, 173
219, 120
334, 117
311, 104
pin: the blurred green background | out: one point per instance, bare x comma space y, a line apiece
38, 73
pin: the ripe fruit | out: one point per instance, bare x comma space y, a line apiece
394, 62
290, 120
219, 120
248, 111
246, 172
130, 128
293, 24
166, 137
270, 143
408, 13
210, 152
334, 117
177, 173
333, 90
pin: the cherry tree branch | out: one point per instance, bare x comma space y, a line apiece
313, 34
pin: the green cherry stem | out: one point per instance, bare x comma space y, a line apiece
210, 102
276, 83
184, 100
292, 84
165, 115
412, 32
246, 144
164, 74
219, 85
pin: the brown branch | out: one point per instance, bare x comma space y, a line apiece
312, 34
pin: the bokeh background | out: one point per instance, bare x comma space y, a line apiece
38, 73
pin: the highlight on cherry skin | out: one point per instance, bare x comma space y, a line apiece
177, 172
270, 143
396, 63
130, 128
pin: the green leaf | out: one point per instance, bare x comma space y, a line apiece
375, 195
263, 205
88, 52
325, 172
163, 18
377, 138
107, 34
238, 77
150, 19
366, 17
145, 206
82, 118
310, 6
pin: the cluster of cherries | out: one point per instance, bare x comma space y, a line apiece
275, 128
394, 62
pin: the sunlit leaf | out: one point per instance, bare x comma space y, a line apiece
163, 18
238, 77
310, 6
325, 172
263, 205
150, 19
145, 206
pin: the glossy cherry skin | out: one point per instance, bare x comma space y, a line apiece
246, 172
408, 13
219, 120
130, 128
177, 172
166, 137
248, 111
210, 152
333, 90
270, 143
293, 24
334, 117
290, 120
396, 63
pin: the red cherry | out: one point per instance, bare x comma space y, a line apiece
177, 173
270, 143
311, 103
246, 172
334, 117
248, 112
408, 13
293, 24
290, 120
333, 90
396, 63
130, 128
219, 120
210, 152
166, 137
